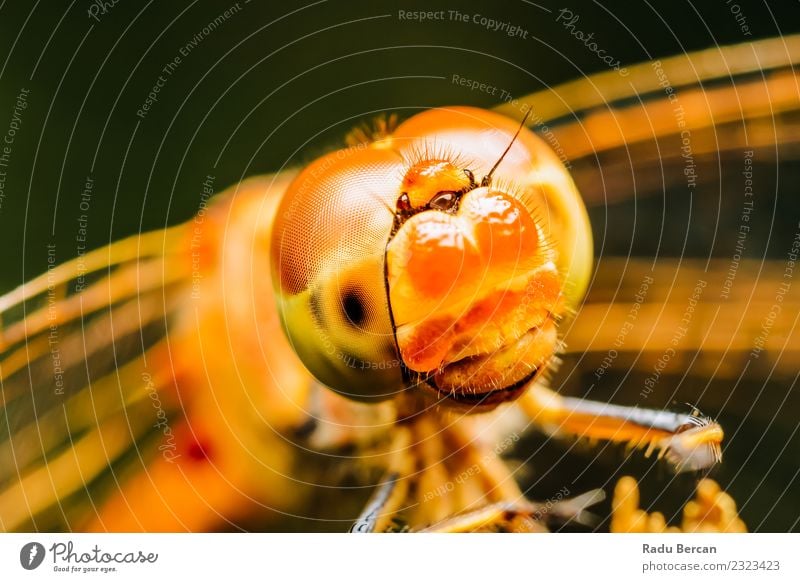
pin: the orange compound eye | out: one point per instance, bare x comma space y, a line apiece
503, 230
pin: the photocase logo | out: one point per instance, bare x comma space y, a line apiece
31, 555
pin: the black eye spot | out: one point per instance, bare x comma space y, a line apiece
444, 200
353, 307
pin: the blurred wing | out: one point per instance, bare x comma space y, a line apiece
135, 389
635, 135
726, 336
684, 119
74, 344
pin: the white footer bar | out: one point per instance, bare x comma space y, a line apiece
399, 557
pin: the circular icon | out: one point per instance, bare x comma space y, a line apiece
31, 555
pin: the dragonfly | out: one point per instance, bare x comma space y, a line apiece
393, 312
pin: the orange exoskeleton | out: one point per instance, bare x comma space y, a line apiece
393, 305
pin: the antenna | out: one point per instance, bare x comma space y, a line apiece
488, 178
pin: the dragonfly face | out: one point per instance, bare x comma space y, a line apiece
396, 270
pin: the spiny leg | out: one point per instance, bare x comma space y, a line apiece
380, 506
440, 472
520, 516
505, 506
493, 500
429, 455
689, 441
392, 492
487, 517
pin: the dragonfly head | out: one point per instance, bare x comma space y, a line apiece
397, 270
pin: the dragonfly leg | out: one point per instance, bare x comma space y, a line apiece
434, 471
482, 494
520, 516
689, 441
392, 492
500, 515
446, 473
379, 510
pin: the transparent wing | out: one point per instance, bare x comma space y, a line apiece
73, 346
678, 129
630, 136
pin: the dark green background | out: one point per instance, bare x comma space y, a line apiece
337, 61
